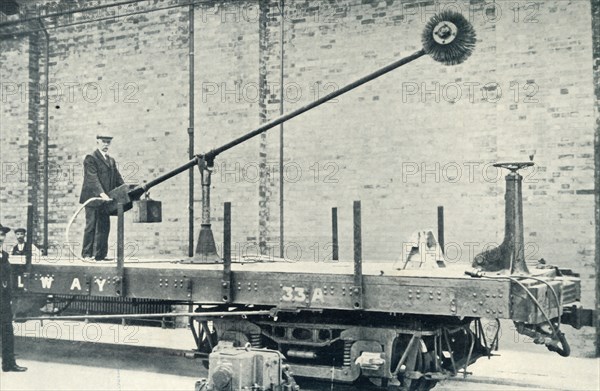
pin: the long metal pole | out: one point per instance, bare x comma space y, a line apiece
281, 139
137, 192
191, 135
210, 156
348, 87
46, 135
161, 315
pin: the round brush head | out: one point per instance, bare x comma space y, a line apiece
449, 38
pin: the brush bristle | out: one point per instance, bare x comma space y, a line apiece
458, 49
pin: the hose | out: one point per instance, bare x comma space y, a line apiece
551, 288
563, 350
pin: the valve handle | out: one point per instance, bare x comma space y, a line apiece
514, 166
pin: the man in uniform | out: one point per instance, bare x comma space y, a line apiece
19, 248
100, 176
6, 315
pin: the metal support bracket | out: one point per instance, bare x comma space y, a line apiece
206, 250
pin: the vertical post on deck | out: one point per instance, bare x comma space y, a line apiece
120, 247
357, 290
440, 224
29, 239
226, 281
334, 235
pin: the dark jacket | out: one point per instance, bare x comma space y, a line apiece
5, 282
99, 176
16, 251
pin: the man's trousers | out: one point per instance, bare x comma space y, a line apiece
95, 236
8, 335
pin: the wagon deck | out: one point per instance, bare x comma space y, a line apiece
303, 285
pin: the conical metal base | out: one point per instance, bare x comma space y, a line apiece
510, 255
206, 250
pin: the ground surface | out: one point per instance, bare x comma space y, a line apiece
136, 358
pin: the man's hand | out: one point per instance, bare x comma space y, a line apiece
105, 197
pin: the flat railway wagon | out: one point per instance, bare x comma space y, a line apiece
342, 321
400, 325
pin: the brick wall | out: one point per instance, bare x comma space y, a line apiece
14, 135
403, 144
103, 78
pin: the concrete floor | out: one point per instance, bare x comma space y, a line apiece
136, 358
77, 377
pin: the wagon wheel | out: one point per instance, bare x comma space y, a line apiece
426, 363
416, 360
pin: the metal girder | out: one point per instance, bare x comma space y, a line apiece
285, 291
